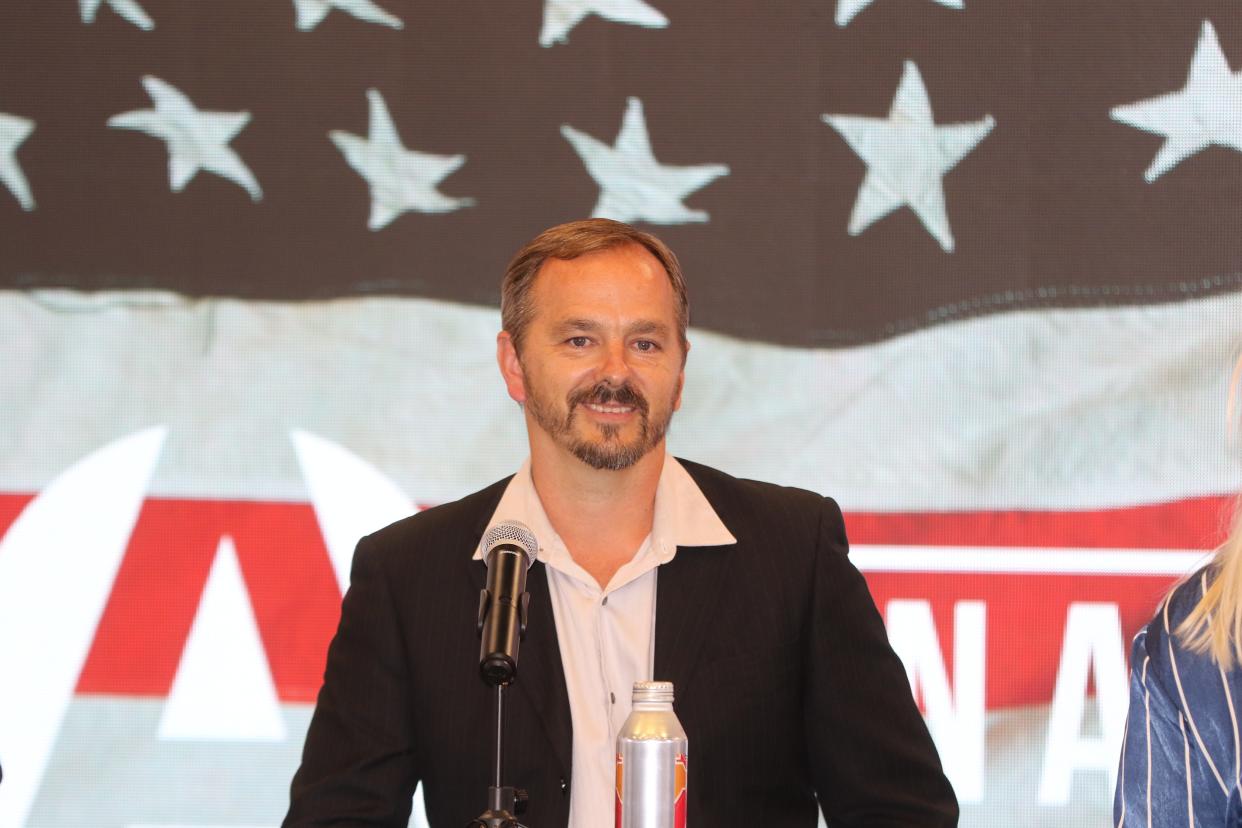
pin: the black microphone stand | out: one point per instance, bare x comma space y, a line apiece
504, 802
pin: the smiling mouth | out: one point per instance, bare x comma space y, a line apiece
609, 409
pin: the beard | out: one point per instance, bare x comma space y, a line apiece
610, 452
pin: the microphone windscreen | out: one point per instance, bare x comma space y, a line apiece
515, 532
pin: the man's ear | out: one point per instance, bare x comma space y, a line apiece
510, 367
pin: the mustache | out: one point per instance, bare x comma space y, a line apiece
604, 394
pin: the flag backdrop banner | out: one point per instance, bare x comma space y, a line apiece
973, 269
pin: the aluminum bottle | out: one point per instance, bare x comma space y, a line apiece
652, 761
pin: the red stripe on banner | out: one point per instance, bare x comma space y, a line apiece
11, 505
1025, 619
1194, 523
292, 588
286, 570
1026, 613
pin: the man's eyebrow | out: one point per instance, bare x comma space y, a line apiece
566, 326
582, 325
648, 326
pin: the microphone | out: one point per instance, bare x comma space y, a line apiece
509, 549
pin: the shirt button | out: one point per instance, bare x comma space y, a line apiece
605, 601
613, 697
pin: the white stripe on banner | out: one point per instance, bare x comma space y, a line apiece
1010, 560
1050, 409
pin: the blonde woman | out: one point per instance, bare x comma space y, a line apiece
1181, 761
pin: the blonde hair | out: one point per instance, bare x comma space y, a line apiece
1214, 626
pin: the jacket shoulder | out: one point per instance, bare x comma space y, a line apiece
754, 506
707, 477
1162, 631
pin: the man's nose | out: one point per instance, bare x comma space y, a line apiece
616, 367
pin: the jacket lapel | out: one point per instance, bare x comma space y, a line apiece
541, 676
686, 589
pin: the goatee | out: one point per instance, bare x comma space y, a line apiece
610, 453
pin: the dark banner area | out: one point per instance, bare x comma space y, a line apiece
1044, 204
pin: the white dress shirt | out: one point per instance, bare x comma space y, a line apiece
606, 635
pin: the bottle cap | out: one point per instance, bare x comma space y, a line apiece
653, 691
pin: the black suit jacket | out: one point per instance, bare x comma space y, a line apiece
784, 680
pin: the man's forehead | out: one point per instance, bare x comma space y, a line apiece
574, 301
628, 271
624, 255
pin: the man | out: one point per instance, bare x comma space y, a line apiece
738, 592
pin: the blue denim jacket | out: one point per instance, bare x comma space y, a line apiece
1180, 758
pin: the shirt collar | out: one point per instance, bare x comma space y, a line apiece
683, 516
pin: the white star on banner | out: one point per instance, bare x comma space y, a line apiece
14, 130
400, 179
196, 140
1207, 110
127, 9
907, 155
310, 12
559, 16
846, 9
633, 185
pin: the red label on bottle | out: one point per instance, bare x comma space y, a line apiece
620, 763
681, 772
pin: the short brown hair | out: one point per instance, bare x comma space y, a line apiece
569, 241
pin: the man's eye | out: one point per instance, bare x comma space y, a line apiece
578, 341
646, 345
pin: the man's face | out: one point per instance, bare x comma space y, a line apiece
601, 367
